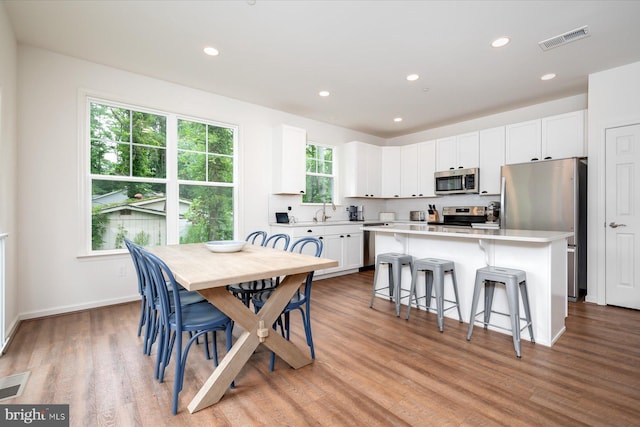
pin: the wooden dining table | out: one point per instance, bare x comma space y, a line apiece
198, 269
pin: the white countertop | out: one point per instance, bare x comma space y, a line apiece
445, 231
316, 224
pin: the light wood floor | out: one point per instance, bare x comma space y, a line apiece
371, 369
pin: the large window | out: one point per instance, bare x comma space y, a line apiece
320, 174
156, 186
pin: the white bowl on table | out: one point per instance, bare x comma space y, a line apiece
225, 245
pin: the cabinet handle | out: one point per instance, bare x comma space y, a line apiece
341, 236
460, 167
420, 194
320, 237
348, 235
451, 169
548, 158
301, 191
309, 231
395, 195
535, 159
484, 192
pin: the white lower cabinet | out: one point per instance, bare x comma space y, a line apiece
342, 243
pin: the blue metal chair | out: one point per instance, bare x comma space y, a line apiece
245, 290
150, 303
256, 238
175, 319
300, 301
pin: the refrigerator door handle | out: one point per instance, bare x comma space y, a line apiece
503, 205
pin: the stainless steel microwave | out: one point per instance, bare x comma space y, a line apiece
457, 181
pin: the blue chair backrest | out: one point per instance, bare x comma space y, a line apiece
160, 276
136, 257
309, 245
256, 238
280, 241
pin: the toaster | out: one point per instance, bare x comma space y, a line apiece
417, 216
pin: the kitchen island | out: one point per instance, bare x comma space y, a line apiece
542, 254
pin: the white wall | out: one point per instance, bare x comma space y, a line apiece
8, 158
614, 100
53, 276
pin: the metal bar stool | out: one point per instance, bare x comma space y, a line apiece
515, 282
434, 271
395, 261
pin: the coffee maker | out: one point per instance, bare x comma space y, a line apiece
356, 213
493, 212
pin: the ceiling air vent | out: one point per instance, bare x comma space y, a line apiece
568, 37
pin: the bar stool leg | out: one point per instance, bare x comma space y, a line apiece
514, 309
474, 304
375, 283
428, 286
489, 288
438, 279
412, 292
397, 274
527, 309
455, 292
392, 282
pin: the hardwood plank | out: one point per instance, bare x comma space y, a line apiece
371, 368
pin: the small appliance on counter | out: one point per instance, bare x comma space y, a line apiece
433, 214
493, 213
356, 213
417, 216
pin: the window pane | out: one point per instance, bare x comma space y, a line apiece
319, 189
312, 165
192, 136
206, 213
220, 140
109, 158
327, 154
149, 162
109, 123
135, 210
191, 166
220, 169
327, 168
149, 129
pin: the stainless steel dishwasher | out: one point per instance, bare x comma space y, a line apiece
369, 249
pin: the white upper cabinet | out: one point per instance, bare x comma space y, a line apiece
409, 170
426, 168
554, 137
458, 152
492, 148
563, 135
523, 142
361, 170
391, 179
289, 157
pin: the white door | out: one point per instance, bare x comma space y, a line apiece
623, 216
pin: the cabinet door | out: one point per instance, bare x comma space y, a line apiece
332, 249
373, 171
409, 170
563, 136
446, 156
289, 159
467, 150
391, 179
491, 159
522, 142
352, 250
426, 168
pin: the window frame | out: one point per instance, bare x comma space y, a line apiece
171, 180
333, 175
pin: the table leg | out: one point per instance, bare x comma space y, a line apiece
216, 385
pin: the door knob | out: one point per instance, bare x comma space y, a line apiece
614, 225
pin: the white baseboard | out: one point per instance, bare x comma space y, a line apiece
77, 307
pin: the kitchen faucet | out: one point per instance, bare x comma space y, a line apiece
325, 217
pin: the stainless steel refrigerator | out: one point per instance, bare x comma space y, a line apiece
550, 195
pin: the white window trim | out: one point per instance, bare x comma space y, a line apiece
85, 98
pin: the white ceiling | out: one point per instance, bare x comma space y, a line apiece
279, 54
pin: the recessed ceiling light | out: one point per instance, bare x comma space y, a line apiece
499, 42
324, 93
413, 77
548, 76
211, 51
397, 119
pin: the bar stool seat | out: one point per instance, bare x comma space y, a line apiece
434, 271
395, 261
515, 282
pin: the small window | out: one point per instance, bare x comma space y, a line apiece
320, 174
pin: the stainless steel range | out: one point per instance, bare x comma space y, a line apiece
462, 216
